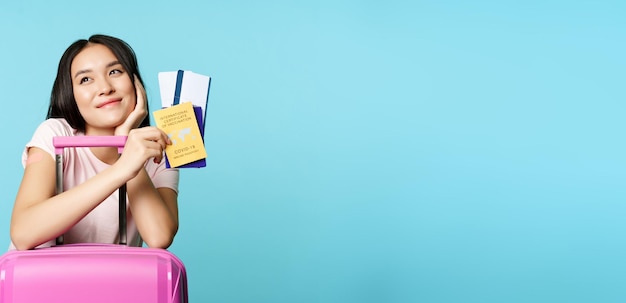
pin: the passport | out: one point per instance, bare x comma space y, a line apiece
180, 124
186, 86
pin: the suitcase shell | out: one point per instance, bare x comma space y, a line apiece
95, 273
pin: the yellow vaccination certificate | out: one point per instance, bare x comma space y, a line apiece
181, 126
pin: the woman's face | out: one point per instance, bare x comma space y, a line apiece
104, 92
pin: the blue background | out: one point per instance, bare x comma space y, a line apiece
361, 151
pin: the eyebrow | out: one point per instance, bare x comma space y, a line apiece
84, 71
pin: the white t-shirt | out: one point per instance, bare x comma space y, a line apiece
101, 225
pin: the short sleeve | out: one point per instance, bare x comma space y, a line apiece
42, 138
162, 176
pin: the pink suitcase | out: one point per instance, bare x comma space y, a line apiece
94, 273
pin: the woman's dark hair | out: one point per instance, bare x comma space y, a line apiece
62, 102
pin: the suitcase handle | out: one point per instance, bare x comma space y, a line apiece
63, 142
88, 141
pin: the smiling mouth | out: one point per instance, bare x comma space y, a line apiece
109, 103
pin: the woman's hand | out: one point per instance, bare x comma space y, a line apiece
141, 145
137, 115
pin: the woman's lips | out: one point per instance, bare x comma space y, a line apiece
110, 103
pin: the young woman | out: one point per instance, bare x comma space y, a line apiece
98, 91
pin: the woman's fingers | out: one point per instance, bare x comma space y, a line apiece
139, 113
141, 94
152, 139
141, 145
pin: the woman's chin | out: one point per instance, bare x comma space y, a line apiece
104, 128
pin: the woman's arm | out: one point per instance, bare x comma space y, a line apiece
155, 211
39, 215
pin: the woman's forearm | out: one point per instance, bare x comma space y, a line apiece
154, 211
36, 222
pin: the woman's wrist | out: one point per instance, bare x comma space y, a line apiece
121, 173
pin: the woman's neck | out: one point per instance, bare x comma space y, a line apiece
108, 155
92, 131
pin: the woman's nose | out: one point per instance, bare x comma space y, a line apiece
106, 87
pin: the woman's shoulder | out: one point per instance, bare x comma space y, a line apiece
48, 129
55, 127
